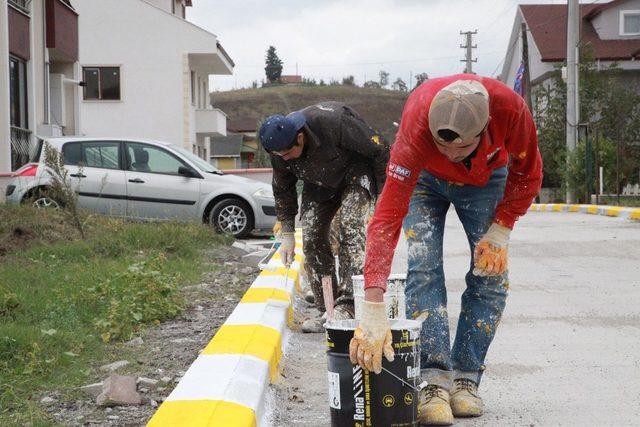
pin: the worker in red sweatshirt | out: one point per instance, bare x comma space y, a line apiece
470, 142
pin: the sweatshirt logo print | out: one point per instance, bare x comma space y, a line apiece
399, 172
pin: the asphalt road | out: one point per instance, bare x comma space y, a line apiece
568, 348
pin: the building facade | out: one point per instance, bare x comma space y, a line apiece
611, 30
117, 68
39, 93
150, 78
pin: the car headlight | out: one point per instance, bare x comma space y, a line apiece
265, 193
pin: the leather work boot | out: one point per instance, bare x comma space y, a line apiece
433, 407
465, 401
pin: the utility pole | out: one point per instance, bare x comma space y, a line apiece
469, 53
573, 27
526, 79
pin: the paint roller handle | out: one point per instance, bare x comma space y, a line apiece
327, 292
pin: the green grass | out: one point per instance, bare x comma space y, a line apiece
62, 299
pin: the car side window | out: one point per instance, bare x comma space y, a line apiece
147, 158
103, 155
94, 154
72, 154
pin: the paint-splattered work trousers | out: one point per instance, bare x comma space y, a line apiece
484, 298
354, 204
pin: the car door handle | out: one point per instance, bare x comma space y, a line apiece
78, 175
137, 181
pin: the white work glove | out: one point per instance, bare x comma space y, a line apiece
372, 338
287, 247
490, 255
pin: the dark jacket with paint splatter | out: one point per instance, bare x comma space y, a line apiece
340, 149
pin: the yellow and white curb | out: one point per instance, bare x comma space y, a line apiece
227, 384
617, 211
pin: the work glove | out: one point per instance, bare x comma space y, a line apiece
277, 228
372, 338
490, 255
287, 247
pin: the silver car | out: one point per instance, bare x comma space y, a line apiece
144, 179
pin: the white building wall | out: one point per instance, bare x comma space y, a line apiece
151, 46
131, 35
607, 24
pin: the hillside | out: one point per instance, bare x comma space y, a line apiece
379, 107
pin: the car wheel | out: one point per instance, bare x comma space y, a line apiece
41, 198
232, 216
45, 202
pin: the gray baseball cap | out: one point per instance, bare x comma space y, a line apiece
462, 107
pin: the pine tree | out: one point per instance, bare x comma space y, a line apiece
400, 85
384, 78
273, 63
421, 78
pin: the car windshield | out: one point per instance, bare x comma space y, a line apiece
201, 164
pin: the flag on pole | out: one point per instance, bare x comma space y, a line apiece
518, 85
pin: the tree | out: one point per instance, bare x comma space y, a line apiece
384, 78
400, 85
322, 83
349, 81
612, 112
421, 78
372, 84
273, 68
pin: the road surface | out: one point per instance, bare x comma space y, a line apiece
568, 348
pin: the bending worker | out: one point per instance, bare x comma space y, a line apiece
342, 163
470, 142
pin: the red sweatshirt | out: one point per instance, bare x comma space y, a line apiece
510, 139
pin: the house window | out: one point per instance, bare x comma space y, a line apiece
99, 154
630, 23
18, 92
102, 83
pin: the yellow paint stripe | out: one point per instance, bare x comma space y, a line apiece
635, 214
203, 413
574, 208
615, 211
556, 208
592, 209
258, 295
260, 341
543, 208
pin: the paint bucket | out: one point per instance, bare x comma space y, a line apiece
358, 398
393, 297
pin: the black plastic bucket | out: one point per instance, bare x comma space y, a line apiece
358, 398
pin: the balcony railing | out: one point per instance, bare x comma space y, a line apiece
22, 147
23, 5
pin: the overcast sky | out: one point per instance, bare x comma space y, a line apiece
335, 38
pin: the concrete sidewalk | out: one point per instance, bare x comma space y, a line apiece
567, 350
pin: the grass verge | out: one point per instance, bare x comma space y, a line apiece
63, 300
